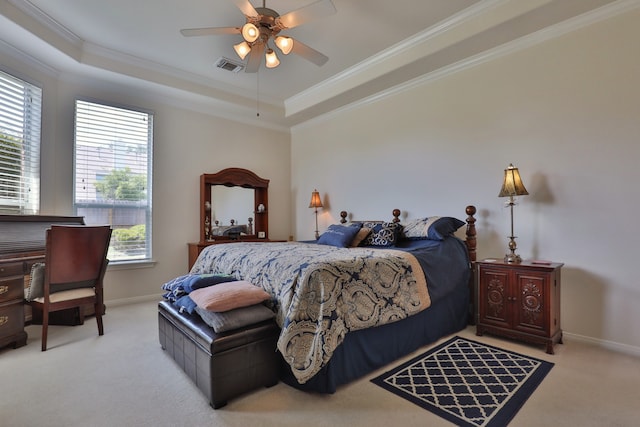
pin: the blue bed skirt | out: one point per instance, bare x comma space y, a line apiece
366, 350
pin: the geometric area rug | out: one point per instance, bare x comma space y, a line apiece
467, 382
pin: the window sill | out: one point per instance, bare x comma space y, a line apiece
131, 265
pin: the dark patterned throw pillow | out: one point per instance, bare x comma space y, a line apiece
382, 234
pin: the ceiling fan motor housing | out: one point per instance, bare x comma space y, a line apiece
266, 23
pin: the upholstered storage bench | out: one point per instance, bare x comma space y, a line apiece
223, 365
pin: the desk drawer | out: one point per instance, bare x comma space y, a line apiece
12, 269
11, 320
12, 289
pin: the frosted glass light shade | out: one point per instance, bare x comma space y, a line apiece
285, 44
272, 60
250, 32
242, 49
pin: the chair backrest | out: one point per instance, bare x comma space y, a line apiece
76, 256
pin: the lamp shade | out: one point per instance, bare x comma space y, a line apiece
242, 49
271, 59
250, 32
285, 44
315, 200
512, 185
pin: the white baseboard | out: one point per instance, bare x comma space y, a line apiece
609, 345
132, 300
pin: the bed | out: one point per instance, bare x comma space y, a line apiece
345, 311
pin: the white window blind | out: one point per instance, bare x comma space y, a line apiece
113, 175
20, 112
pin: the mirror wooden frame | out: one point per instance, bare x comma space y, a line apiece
237, 177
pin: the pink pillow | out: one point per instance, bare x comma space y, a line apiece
229, 295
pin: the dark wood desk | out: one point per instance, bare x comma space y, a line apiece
22, 244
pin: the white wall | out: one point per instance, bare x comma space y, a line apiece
566, 112
186, 145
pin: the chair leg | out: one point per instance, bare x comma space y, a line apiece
45, 327
98, 311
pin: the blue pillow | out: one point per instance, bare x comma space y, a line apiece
432, 228
339, 235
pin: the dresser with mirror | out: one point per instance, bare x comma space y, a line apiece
234, 206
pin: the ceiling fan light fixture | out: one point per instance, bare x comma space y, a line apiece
250, 32
285, 44
261, 30
271, 58
242, 49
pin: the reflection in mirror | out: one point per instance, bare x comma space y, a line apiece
232, 208
234, 193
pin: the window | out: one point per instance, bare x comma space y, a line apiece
112, 168
20, 107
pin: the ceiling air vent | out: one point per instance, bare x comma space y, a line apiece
229, 65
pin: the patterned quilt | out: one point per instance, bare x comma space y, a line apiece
323, 292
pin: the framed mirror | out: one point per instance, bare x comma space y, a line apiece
233, 206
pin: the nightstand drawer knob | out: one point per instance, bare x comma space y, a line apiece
4, 289
4, 320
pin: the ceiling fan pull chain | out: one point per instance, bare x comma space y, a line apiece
258, 93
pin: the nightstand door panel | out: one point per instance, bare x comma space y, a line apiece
495, 301
532, 303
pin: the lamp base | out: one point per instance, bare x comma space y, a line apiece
512, 258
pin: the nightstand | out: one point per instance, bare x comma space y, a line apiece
520, 301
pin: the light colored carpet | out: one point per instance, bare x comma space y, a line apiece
124, 378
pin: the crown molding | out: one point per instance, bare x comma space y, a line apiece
43, 19
600, 14
93, 55
390, 53
332, 96
478, 17
24, 58
85, 60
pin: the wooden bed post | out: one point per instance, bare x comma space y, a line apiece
343, 217
470, 241
396, 216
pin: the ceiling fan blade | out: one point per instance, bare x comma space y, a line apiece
246, 8
318, 9
210, 31
255, 58
309, 53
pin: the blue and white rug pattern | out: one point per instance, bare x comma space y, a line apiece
467, 382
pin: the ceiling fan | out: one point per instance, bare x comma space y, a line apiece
262, 26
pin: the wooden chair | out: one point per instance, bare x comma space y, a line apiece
75, 264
